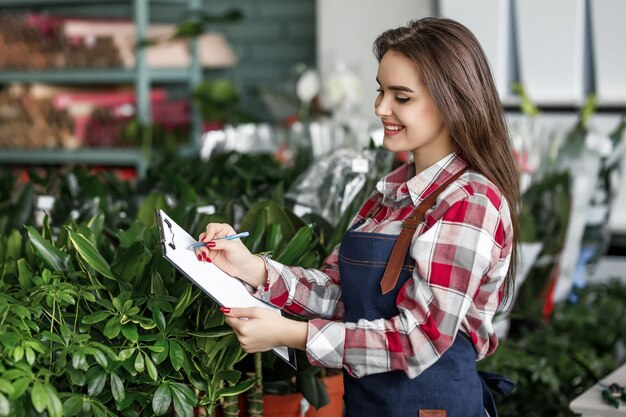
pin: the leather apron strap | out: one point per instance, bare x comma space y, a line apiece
401, 247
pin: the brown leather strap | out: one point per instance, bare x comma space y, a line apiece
401, 247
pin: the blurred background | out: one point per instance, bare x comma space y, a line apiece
224, 109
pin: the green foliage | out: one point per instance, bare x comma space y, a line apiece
544, 218
84, 333
93, 320
555, 362
218, 101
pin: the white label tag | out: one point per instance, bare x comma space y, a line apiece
360, 165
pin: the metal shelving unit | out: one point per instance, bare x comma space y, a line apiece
120, 157
142, 76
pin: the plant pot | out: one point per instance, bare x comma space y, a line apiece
334, 408
290, 405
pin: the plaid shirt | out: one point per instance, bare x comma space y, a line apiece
461, 252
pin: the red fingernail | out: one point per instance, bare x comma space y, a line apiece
199, 257
210, 244
225, 310
204, 256
203, 239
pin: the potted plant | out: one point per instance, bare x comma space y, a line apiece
118, 334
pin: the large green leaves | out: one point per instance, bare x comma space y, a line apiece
51, 255
90, 254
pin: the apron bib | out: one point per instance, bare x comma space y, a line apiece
451, 384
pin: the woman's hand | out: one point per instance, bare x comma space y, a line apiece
259, 329
231, 256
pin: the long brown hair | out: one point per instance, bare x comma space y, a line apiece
455, 70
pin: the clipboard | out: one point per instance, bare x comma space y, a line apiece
224, 289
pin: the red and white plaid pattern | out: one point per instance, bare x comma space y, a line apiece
461, 252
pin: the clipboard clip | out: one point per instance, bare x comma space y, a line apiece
162, 232
171, 244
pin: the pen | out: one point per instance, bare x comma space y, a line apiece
229, 237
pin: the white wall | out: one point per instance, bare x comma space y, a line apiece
346, 30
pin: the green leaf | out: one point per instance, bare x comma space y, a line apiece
25, 275
160, 356
6, 387
18, 353
20, 386
140, 364
152, 202
312, 388
73, 405
183, 399
89, 253
185, 300
97, 380
129, 263
14, 246
79, 360
23, 208
159, 319
297, 246
112, 328
117, 387
237, 389
98, 355
5, 406
162, 399
152, 370
126, 353
130, 332
177, 355
51, 256
55, 407
39, 397
96, 317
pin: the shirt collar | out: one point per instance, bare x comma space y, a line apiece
403, 183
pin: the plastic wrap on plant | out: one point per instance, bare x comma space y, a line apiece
332, 182
243, 138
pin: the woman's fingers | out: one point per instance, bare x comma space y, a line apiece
215, 230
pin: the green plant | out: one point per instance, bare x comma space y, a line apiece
277, 232
85, 334
544, 218
557, 361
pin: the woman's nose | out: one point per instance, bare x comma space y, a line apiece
381, 108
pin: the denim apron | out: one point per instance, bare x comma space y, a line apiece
452, 383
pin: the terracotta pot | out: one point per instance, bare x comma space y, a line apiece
288, 405
284, 405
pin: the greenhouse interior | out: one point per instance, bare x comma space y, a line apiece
201, 202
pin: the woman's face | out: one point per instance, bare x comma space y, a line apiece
411, 121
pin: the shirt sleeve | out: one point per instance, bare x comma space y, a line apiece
308, 293
304, 292
453, 257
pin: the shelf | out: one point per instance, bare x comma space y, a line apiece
513, 103
45, 3
88, 156
87, 76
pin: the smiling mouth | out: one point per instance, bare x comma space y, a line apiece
392, 130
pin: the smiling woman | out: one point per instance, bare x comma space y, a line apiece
405, 302
408, 112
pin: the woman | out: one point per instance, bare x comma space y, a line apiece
405, 303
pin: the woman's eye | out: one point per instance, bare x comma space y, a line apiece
402, 99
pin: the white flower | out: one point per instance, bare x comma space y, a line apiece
342, 89
308, 86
